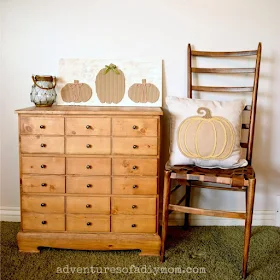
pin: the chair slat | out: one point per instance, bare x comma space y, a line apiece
223, 70
244, 145
224, 54
222, 89
219, 188
245, 126
206, 212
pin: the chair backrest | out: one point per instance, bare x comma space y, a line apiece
250, 110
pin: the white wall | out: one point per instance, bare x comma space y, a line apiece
36, 34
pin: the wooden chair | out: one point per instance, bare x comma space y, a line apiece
239, 179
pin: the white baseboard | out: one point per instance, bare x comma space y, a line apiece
10, 214
260, 218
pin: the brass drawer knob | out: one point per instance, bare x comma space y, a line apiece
134, 186
134, 167
88, 166
43, 204
89, 223
134, 206
133, 225
135, 127
42, 126
89, 185
43, 145
43, 166
88, 206
135, 146
44, 222
88, 146
43, 184
88, 127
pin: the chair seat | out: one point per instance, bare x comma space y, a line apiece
236, 178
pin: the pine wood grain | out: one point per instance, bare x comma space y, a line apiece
88, 184
88, 205
133, 206
134, 185
42, 125
43, 184
88, 126
42, 144
87, 223
134, 224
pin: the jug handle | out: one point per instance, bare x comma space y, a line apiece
53, 82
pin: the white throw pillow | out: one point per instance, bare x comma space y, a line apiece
205, 133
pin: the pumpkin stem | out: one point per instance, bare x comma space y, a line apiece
207, 115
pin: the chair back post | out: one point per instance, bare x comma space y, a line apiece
254, 106
189, 63
253, 90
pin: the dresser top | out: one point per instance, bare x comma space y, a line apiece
90, 110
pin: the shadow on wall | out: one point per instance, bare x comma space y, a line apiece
268, 175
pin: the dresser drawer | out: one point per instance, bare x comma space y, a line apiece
43, 165
88, 185
134, 166
42, 144
86, 204
43, 184
88, 126
134, 206
88, 166
42, 125
42, 204
43, 222
88, 145
135, 146
87, 223
134, 185
134, 127
133, 224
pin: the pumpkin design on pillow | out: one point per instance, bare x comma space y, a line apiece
76, 92
143, 93
206, 137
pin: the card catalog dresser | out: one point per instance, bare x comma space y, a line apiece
89, 178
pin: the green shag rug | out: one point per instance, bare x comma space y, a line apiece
197, 253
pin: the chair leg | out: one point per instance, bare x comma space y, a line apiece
250, 195
188, 197
166, 199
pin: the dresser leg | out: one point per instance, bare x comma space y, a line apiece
26, 245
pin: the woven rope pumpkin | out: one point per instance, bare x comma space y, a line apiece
143, 93
76, 92
206, 137
110, 84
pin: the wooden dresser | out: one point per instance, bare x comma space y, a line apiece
89, 178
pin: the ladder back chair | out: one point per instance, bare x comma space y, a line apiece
238, 179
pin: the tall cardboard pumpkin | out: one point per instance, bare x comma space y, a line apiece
143, 93
110, 84
206, 137
76, 92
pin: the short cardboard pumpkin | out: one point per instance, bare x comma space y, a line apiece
76, 92
110, 84
143, 93
206, 137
